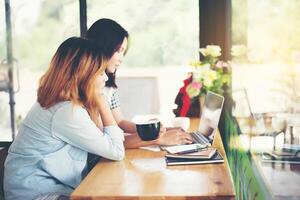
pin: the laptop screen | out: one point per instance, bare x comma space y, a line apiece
211, 115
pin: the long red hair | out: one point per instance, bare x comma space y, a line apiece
72, 76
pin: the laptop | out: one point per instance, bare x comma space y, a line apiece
209, 120
204, 136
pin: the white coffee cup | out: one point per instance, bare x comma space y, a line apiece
183, 122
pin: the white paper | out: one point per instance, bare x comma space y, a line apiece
154, 148
180, 148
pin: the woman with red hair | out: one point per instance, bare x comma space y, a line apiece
70, 119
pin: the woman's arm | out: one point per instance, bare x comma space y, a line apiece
133, 141
170, 137
73, 125
128, 126
125, 125
106, 114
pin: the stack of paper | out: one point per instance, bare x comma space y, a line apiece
209, 155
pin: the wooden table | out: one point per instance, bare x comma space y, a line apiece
281, 179
143, 174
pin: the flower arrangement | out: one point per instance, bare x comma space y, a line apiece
209, 73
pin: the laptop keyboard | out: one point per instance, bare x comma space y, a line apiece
199, 138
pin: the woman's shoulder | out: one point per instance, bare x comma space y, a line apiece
70, 113
67, 107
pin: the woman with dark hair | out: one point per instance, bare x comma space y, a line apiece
112, 38
70, 119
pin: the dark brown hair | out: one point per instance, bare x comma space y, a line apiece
109, 36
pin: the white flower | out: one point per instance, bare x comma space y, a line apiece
208, 77
211, 50
196, 63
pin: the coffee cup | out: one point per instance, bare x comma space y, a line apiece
148, 130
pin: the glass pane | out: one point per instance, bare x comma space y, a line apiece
2, 32
38, 27
164, 38
270, 73
5, 132
163, 33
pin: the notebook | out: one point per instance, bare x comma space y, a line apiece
282, 154
216, 158
270, 158
209, 119
202, 154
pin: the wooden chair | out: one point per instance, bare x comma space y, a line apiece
138, 95
3, 154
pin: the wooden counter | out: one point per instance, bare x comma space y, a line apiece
143, 174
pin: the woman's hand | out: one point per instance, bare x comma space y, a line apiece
174, 128
174, 137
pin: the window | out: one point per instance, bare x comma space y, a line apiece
38, 27
2, 32
162, 33
4, 106
164, 38
270, 29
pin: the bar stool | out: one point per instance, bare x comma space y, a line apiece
257, 124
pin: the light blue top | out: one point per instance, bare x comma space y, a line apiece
49, 154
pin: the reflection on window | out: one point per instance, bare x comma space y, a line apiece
4, 106
2, 32
163, 33
164, 38
38, 27
270, 29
